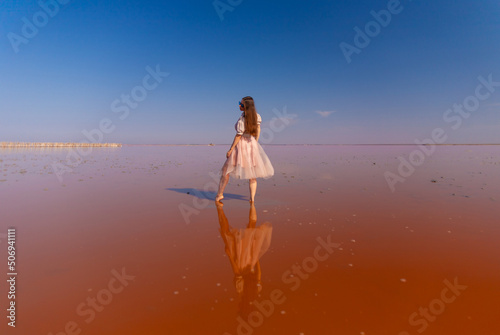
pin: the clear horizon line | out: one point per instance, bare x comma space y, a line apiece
318, 144
98, 144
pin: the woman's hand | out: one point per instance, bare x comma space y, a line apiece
235, 142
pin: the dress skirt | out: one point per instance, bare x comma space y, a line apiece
246, 246
248, 160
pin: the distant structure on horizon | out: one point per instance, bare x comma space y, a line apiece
55, 144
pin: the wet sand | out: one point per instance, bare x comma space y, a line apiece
129, 242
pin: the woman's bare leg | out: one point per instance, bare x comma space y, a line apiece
224, 179
252, 183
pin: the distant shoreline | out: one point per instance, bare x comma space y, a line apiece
119, 145
291, 145
55, 144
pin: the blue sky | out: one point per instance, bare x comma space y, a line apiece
286, 54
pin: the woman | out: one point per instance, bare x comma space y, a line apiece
246, 159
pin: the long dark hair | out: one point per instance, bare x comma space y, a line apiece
250, 116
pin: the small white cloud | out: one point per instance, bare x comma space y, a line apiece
324, 113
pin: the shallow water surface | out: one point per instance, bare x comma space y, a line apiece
129, 241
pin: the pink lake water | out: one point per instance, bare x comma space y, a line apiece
129, 242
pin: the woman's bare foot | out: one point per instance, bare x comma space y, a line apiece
219, 197
252, 183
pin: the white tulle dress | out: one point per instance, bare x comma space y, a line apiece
247, 245
248, 160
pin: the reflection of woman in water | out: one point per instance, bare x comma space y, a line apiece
245, 247
246, 159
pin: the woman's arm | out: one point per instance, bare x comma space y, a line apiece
235, 141
258, 133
